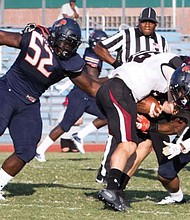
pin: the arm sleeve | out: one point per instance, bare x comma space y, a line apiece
114, 42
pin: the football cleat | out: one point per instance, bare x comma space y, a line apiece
169, 200
78, 142
112, 199
123, 200
40, 157
1, 196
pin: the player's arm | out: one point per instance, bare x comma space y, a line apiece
94, 73
104, 55
10, 39
174, 126
86, 83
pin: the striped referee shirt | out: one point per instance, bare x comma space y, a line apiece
130, 41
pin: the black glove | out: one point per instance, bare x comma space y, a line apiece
116, 64
29, 27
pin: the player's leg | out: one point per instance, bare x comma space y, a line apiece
121, 121
25, 129
74, 111
8, 101
105, 164
168, 176
143, 150
99, 122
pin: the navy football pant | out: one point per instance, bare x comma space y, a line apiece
23, 121
79, 103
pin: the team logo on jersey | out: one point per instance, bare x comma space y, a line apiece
186, 68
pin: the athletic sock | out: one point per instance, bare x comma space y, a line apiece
86, 130
5, 178
178, 196
114, 179
124, 181
46, 143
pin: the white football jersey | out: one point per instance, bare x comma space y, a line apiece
146, 72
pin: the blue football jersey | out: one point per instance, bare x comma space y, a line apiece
92, 59
37, 67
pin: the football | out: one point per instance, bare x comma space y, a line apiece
148, 105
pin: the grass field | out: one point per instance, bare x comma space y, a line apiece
64, 188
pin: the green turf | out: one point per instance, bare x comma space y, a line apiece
64, 188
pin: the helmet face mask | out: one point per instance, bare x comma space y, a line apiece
180, 87
65, 47
180, 97
65, 37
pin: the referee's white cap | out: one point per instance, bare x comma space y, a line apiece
148, 14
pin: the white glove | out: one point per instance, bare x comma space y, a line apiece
185, 145
171, 150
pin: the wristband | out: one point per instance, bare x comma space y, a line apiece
116, 64
153, 126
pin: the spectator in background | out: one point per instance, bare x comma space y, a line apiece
69, 10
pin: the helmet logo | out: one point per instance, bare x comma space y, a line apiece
186, 68
61, 22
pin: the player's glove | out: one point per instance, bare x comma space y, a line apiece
145, 125
171, 150
142, 123
29, 27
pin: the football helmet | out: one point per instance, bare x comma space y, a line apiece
96, 36
180, 86
65, 37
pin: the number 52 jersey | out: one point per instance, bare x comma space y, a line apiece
37, 67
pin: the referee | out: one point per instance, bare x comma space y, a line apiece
132, 40
126, 43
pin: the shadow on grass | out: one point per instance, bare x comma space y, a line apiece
144, 173
22, 189
75, 159
28, 189
140, 196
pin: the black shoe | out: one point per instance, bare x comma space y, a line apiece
123, 200
111, 198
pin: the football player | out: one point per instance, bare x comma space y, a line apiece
117, 98
46, 56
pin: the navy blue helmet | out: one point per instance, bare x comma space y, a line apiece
65, 37
95, 36
180, 86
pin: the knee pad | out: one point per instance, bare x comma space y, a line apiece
26, 154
